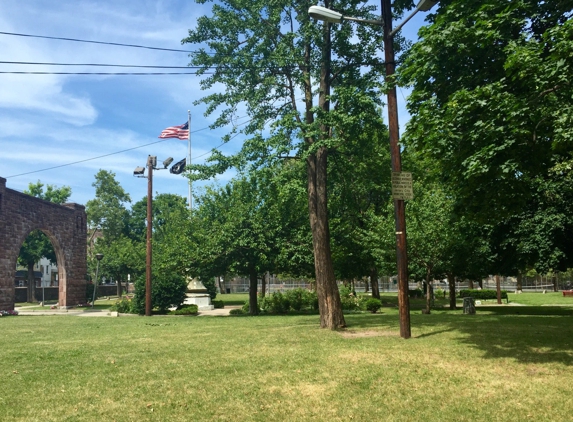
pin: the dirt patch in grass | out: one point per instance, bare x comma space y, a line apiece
368, 333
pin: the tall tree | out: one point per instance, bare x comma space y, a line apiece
272, 61
359, 186
491, 104
107, 211
107, 221
37, 245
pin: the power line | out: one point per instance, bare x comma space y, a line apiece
104, 73
87, 159
112, 153
100, 65
97, 42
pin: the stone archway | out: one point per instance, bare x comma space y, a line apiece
66, 227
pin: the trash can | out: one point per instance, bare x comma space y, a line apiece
469, 306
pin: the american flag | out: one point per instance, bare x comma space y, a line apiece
181, 132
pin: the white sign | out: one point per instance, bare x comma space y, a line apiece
402, 185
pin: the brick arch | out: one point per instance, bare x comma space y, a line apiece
66, 227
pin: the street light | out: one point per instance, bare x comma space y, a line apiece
327, 15
99, 257
139, 172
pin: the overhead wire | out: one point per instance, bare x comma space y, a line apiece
102, 73
99, 65
97, 42
121, 152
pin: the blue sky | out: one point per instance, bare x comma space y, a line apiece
53, 120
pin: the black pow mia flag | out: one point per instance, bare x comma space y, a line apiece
178, 167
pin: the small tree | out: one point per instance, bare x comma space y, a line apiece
167, 290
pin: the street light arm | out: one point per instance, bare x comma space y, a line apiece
360, 20
424, 5
324, 14
327, 15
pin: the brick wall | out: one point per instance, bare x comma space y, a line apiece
65, 226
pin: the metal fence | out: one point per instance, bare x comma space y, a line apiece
389, 284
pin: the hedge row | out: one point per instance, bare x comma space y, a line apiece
483, 294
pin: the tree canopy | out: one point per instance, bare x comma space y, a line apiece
491, 107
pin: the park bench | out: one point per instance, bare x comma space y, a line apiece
567, 292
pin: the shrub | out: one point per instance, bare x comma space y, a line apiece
236, 311
186, 310
218, 304
295, 298
483, 294
167, 290
310, 299
348, 299
276, 303
124, 306
373, 305
245, 307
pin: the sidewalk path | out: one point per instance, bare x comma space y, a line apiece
86, 312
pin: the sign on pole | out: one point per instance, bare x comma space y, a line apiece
402, 185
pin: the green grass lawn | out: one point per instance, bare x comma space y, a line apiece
233, 298
541, 299
510, 365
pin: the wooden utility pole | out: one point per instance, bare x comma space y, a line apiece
151, 162
399, 207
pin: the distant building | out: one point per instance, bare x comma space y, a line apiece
45, 274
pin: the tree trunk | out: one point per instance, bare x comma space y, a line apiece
498, 288
329, 304
471, 284
374, 282
253, 305
264, 284
452, 286
118, 281
519, 286
31, 283
428, 293
366, 287
480, 283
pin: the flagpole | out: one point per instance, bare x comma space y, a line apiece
190, 195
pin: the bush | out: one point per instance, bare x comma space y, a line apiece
167, 290
295, 299
373, 305
310, 299
348, 299
276, 303
483, 294
280, 303
218, 304
124, 306
186, 310
236, 312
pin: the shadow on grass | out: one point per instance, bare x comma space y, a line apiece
526, 338
525, 334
